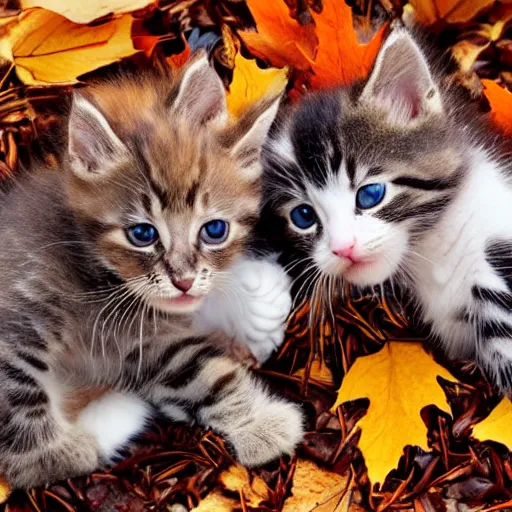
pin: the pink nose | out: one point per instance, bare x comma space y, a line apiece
183, 285
345, 251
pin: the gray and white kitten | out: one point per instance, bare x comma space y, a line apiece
115, 270
399, 179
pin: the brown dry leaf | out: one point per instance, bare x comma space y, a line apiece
428, 12
316, 489
5, 490
496, 427
501, 105
280, 39
85, 12
251, 83
399, 380
47, 48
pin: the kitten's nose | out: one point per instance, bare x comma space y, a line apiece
183, 285
344, 251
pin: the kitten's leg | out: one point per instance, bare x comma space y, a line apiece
37, 443
251, 305
199, 383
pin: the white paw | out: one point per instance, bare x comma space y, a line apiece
253, 306
113, 420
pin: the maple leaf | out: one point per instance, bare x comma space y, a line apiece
428, 12
279, 39
314, 488
85, 12
496, 426
48, 48
501, 105
328, 48
399, 380
251, 83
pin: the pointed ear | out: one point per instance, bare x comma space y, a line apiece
201, 96
401, 83
93, 146
251, 131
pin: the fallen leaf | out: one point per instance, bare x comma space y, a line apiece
5, 490
319, 373
316, 489
85, 12
501, 105
496, 427
428, 12
217, 502
340, 59
47, 48
251, 83
399, 380
279, 39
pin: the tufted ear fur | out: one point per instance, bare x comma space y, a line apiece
201, 97
93, 146
250, 133
401, 83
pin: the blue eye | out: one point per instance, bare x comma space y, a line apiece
214, 232
370, 195
142, 235
303, 216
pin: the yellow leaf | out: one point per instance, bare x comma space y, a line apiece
48, 48
217, 502
236, 479
85, 12
496, 427
318, 372
399, 380
251, 83
315, 488
5, 490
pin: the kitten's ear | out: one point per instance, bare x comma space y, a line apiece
93, 146
250, 133
401, 83
201, 97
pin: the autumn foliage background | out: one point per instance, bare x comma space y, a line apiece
390, 424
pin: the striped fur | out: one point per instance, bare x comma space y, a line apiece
82, 309
442, 229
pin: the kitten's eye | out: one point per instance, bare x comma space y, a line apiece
370, 195
142, 235
214, 232
303, 216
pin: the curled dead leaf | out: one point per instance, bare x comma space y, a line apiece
85, 12
428, 12
251, 83
47, 48
399, 380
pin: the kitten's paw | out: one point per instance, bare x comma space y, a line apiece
254, 307
275, 430
113, 420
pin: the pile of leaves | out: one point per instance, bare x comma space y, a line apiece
390, 424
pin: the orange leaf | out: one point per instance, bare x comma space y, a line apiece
5, 490
251, 83
331, 50
279, 39
47, 48
341, 59
501, 105
85, 12
427, 12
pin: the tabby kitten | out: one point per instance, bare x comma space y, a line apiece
398, 179
105, 266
